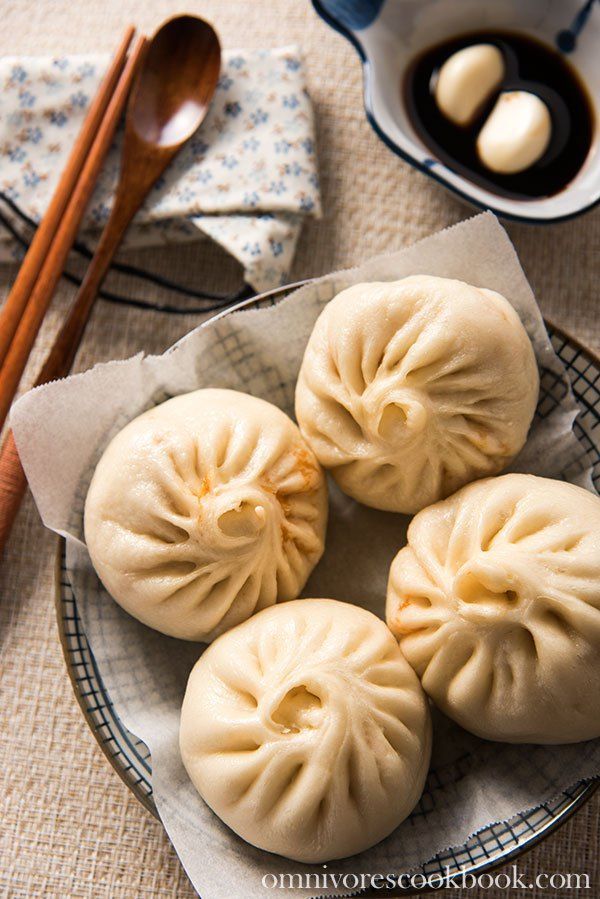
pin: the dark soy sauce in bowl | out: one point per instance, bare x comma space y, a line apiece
530, 66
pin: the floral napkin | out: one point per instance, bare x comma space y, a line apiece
246, 179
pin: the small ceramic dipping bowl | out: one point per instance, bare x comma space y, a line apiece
388, 34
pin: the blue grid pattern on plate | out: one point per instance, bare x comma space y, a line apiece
129, 754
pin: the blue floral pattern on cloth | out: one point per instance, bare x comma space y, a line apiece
246, 179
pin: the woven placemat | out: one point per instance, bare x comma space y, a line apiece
69, 826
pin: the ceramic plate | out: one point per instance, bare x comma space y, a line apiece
494, 845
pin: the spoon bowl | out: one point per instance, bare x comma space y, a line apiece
176, 83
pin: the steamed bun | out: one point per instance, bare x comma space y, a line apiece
412, 388
306, 731
203, 510
496, 604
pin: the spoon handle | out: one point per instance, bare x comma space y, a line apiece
61, 356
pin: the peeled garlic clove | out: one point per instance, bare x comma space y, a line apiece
516, 133
467, 79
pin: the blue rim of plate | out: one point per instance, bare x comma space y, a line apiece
423, 167
494, 845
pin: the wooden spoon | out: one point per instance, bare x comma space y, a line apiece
169, 100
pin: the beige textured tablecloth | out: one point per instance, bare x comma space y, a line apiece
69, 827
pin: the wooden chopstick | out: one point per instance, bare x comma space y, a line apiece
16, 301
12, 487
13, 482
33, 314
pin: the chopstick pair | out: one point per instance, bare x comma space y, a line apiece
30, 296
